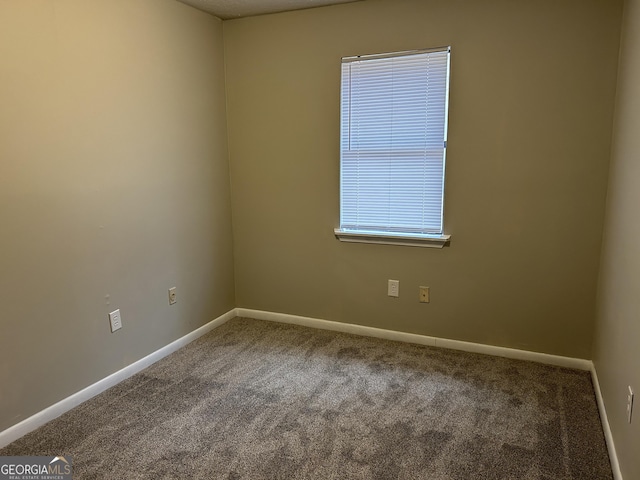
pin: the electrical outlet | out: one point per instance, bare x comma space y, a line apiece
393, 288
172, 296
630, 404
116, 320
424, 295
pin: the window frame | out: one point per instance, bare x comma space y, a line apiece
437, 240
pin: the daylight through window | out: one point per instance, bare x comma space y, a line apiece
393, 145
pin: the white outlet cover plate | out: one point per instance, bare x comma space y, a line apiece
116, 320
393, 288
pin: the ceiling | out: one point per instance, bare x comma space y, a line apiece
227, 9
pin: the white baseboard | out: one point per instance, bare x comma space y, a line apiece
15, 432
567, 362
613, 456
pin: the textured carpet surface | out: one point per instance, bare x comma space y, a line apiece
261, 400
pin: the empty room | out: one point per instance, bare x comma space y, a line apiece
320, 239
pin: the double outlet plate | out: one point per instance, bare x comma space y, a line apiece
116, 320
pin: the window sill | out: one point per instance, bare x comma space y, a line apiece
429, 241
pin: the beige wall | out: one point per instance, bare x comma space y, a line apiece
532, 89
113, 181
617, 341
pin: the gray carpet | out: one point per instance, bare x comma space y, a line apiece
261, 400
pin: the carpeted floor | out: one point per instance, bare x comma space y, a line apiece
261, 400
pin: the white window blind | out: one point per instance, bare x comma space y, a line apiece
393, 142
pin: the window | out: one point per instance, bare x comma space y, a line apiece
393, 146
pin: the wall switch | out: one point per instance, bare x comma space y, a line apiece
116, 320
393, 288
630, 404
172, 296
424, 295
